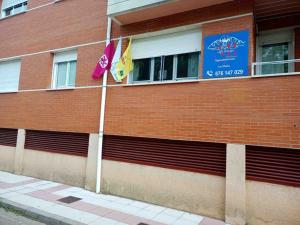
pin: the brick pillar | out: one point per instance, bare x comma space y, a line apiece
18, 167
91, 167
235, 205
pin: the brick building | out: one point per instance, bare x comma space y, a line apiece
182, 130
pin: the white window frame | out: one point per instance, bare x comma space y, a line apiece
63, 57
174, 75
24, 9
275, 37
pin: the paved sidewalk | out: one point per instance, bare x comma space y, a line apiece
85, 207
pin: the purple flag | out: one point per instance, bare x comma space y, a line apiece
104, 62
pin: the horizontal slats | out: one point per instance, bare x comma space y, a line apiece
192, 156
8, 137
57, 142
274, 165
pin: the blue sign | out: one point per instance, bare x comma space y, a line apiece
226, 55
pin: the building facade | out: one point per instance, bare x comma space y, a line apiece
207, 122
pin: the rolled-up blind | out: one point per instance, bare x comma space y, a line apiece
167, 44
9, 75
9, 3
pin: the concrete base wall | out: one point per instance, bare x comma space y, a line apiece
271, 204
62, 168
7, 158
193, 192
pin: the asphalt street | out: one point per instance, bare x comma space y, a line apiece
9, 218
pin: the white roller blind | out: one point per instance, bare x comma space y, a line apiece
167, 44
65, 56
9, 3
9, 75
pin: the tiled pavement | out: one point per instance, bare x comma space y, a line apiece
92, 208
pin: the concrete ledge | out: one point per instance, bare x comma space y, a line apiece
35, 214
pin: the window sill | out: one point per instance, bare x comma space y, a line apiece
61, 89
276, 75
162, 82
8, 92
7, 17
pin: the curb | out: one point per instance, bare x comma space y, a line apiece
35, 214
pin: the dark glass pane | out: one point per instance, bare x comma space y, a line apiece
141, 70
168, 68
157, 68
275, 52
8, 11
188, 65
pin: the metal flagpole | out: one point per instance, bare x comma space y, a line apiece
102, 114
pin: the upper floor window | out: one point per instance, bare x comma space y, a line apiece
166, 57
64, 69
9, 75
12, 7
274, 48
163, 68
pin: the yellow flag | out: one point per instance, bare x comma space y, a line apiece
125, 64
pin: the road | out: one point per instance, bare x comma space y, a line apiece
9, 218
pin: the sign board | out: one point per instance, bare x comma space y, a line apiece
226, 55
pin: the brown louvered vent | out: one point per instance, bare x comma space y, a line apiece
57, 142
8, 137
192, 156
273, 165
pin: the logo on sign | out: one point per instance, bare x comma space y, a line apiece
226, 46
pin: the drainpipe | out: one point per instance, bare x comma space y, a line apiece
102, 114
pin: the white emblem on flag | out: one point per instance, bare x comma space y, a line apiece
103, 61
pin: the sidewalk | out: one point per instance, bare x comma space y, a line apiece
71, 205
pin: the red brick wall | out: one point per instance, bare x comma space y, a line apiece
261, 111
69, 110
58, 25
54, 26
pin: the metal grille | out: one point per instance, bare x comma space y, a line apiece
192, 156
58, 142
273, 165
8, 137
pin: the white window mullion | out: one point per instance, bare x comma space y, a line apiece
175, 61
152, 69
67, 75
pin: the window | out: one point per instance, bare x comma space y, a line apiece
275, 46
9, 75
167, 57
12, 7
64, 69
163, 68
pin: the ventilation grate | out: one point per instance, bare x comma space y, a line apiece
273, 165
69, 199
58, 142
194, 156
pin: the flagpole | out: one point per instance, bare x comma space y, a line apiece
101, 121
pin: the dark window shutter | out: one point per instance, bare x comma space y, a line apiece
192, 156
273, 165
8, 137
57, 142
